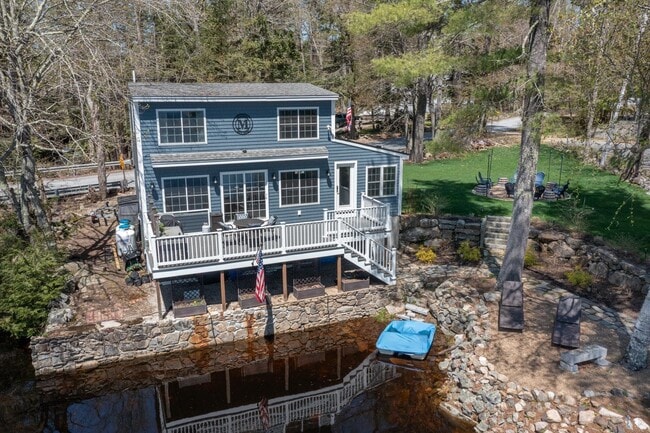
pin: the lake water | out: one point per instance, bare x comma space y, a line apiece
323, 380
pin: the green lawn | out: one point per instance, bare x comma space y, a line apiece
599, 204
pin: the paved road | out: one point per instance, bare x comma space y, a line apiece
73, 185
508, 125
86, 181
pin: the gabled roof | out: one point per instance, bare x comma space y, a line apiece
228, 92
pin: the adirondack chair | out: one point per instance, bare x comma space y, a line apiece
566, 329
511, 307
480, 180
560, 192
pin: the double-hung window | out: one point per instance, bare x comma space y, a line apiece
381, 181
297, 123
181, 126
298, 187
186, 194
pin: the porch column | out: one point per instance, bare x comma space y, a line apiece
158, 299
285, 292
223, 293
339, 272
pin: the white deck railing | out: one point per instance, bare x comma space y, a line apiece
372, 215
364, 246
219, 246
352, 229
284, 410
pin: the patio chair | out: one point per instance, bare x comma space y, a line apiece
510, 189
560, 192
539, 178
484, 181
169, 220
269, 222
539, 191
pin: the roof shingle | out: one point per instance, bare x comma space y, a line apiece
229, 90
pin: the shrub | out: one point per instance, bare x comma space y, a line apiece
426, 255
31, 277
383, 316
468, 253
530, 258
423, 201
579, 277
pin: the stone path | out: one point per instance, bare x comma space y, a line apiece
602, 315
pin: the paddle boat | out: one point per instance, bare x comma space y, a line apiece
408, 338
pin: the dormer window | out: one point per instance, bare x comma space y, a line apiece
181, 127
297, 123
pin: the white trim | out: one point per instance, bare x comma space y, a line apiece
317, 170
181, 110
400, 186
266, 190
271, 259
162, 193
381, 181
277, 114
353, 184
236, 161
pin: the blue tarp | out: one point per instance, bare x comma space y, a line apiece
405, 337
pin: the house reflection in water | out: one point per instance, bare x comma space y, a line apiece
304, 393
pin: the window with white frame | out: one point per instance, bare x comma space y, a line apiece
181, 126
381, 181
244, 192
297, 123
298, 187
184, 194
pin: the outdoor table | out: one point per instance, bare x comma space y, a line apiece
248, 223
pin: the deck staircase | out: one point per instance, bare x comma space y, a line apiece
370, 267
369, 254
495, 235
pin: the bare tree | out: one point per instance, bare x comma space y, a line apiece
533, 113
33, 36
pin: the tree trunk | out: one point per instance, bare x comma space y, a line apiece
30, 200
97, 142
621, 94
636, 355
438, 106
513, 261
419, 112
591, 112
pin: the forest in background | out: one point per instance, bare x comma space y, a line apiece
454, 64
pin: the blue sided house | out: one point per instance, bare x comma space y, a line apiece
226, 170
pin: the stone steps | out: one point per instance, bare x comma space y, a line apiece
495, 235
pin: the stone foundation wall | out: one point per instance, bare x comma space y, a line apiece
83, 350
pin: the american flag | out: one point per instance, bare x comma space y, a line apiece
260, 281
263, 407
348, 116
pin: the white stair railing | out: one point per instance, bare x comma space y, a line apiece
284, 410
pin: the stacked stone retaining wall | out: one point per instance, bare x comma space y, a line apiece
82, 350
599, 260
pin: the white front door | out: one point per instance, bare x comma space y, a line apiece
345, 184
